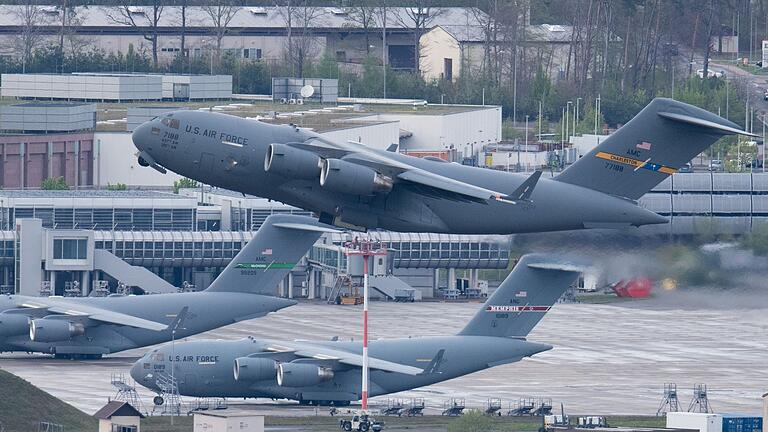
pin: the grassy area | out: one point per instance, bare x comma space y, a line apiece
325, 423
754, 70
23, 406
601, 299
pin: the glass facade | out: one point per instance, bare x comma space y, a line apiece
108, 219
171, 249
421, 254
70, 249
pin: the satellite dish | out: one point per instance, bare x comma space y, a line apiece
307, 91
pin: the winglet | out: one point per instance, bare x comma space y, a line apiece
178, 320
433, 365
525, 190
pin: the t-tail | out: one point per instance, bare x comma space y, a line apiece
272, 252
525, 296
659, 140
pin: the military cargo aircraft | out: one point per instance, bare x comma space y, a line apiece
328, 372
90, 327
350, 185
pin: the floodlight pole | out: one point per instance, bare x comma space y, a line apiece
366, 249
365, 332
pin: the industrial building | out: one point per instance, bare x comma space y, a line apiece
116, 87
253, 33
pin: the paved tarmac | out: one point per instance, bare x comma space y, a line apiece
608, 359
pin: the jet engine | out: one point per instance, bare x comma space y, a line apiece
342, 176
254, 369
301, 374
51, 330
13, 324
291, 162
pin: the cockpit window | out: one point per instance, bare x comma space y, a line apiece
158, 357
171, 123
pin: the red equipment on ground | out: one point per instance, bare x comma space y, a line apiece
633, 288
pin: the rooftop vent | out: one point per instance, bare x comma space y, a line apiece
136, 10
258, 10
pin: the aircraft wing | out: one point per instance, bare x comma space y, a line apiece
360, 154
323, 353
74, 309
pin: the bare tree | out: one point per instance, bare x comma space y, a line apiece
144, 19
303, 15
24, 42
363, 15
221, 13
418, 17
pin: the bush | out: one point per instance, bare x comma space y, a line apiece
471, 421
184, 183
117, 186
54, 183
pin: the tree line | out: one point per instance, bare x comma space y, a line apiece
623, 52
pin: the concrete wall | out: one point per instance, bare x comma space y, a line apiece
115, 162
29, 275
436, 46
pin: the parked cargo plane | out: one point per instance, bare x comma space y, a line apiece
328, 372
350, 185
90, 327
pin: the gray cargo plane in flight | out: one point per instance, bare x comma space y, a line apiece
328, 372
90, 327
350, 185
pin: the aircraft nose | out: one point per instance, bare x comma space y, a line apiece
141, 135
141, 371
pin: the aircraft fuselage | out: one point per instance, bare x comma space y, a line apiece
229, 152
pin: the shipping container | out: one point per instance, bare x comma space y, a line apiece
702, 422
742, 423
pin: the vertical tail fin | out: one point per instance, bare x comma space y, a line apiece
660, 139
521, 301
272, 252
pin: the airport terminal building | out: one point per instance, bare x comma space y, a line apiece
57, 241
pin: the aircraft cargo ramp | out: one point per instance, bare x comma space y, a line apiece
393, 288
130, 275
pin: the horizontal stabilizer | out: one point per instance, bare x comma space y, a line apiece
705, 123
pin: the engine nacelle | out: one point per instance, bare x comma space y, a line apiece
301, 374
255, 369
342, 176
13, 324
291, 162
52, 330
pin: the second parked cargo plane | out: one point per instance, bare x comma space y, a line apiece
328, 372
350, 185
